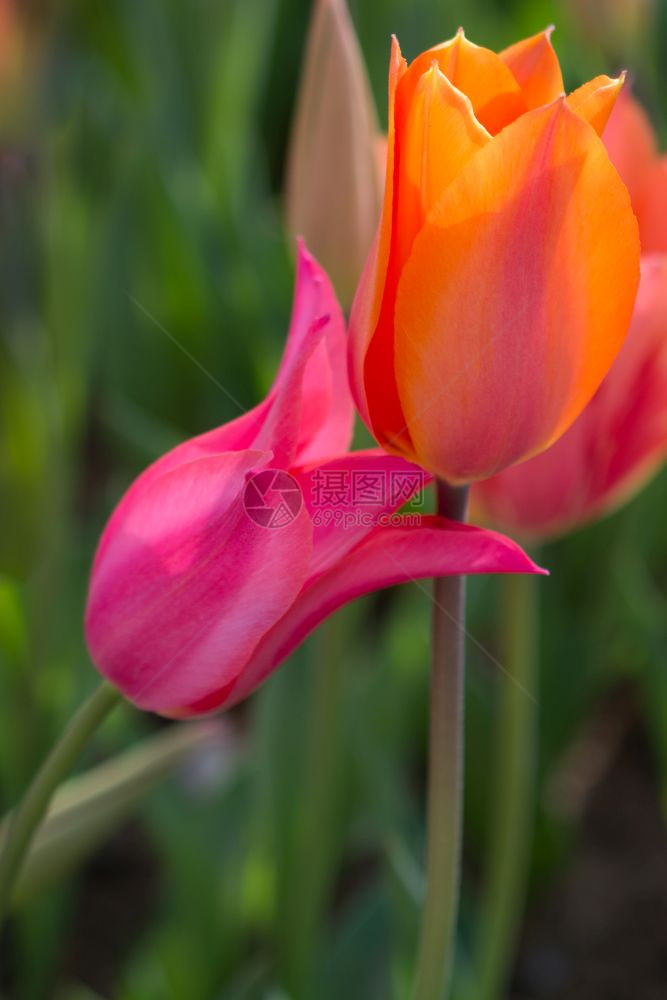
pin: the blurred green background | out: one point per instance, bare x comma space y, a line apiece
142, 148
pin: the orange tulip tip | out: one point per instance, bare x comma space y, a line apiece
616, 83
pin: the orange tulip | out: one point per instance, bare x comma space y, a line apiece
501, 283
620, 440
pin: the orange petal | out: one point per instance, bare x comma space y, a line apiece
614, 446
333, 189
478, 73
594, 102
630, 142
535, 67
516, 297
368, 299
436, 137
439, 135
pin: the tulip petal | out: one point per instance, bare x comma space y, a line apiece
630, 142
535, 67
345, 498
389, 556
334, 188
651, 209
310, 411
438, 136
368, 299
327, 408
185, 577
478, 73
641, 431
516, 298
613, 447
594, 102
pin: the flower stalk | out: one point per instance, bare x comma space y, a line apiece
512, 819
31, 810
445, 778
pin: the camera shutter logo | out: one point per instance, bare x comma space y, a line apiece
272, 498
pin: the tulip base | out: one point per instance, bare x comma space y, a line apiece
445, 778
31, 810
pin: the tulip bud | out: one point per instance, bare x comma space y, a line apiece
334, 181
501, 284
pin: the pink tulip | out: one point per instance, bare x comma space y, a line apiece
194, 601
620, 439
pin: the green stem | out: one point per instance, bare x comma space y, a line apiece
445, 779
31, 810
316, 838
512, 820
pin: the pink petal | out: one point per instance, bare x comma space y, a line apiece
185, 584
340, 526
652, 209
630, 142
389, 556
311, 411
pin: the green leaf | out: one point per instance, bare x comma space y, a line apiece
87, 809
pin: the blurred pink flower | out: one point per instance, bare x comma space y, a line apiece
633, 149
